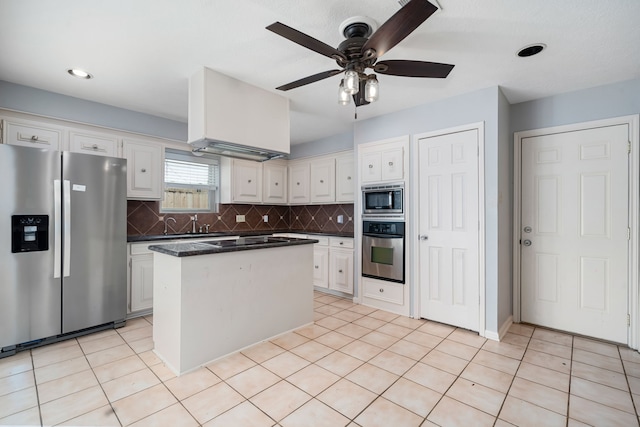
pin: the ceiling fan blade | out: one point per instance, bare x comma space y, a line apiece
306, 41
396, 28
413, 68
310, 79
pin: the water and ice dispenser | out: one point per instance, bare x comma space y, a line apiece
29, 233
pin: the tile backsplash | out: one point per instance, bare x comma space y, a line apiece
144, 218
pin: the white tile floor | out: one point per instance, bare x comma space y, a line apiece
355, 366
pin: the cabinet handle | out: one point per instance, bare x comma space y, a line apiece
249, 181
94, 146
390, 163
341, 243
322, 181
34, 137
349, 178
317, 267
276, 184
370, 166
297, 183
339, 271
143, 170
381, 290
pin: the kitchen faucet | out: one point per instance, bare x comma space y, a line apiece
194, 218
165, 223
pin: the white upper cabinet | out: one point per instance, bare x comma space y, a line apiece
93, 143
144, 169
323, 187
32, 134
345, 179
299, 183
275, 183
392, 165
246, 183
383, 161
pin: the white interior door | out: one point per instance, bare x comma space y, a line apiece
449, 228
574, 236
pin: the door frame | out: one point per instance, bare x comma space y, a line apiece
413, 231
633, 338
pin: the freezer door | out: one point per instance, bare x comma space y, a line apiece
94, 289
30, 296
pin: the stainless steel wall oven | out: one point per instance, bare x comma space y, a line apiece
383, 250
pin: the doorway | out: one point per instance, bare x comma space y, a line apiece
574, 228
450, 247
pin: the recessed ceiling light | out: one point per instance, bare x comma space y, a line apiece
81, 74
531, 50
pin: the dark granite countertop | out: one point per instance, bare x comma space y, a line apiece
183, 249
160, 237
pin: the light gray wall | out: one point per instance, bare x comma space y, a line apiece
332, 144
36, 101
602, 102
480, 106
505, 212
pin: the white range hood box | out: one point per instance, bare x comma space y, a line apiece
236, 118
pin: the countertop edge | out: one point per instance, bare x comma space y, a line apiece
188, 236
187, 249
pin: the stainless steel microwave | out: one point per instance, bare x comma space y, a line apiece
386, 200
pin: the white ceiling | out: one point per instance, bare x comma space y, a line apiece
142, 52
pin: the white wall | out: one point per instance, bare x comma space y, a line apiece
37, 101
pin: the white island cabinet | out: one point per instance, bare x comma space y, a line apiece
206, 306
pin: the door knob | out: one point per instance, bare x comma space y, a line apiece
526, 242
423, 237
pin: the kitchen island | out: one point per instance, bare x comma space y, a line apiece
215, 298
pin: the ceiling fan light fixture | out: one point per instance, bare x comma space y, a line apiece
371, 89
351, 82
343, 97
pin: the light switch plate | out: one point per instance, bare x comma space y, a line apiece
240, 218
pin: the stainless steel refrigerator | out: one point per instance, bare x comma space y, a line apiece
62, 245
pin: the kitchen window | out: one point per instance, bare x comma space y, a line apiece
191, 184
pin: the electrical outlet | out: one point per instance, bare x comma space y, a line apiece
265, 218
340, 219
240, 218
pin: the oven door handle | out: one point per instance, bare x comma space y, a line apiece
384, 236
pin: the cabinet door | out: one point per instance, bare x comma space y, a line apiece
299, 183
141, 282
144, 166
90, 143
247, 181
323, 188
345, 182
275, 183
341, 271
33, 134
392, 164
370, 167
321, 266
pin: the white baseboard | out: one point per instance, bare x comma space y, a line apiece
501, 332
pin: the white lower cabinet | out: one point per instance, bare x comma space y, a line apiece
140, 277
341, 264
321, 266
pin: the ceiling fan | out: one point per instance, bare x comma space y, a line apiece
361, 50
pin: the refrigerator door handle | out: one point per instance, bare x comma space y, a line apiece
57, 227
66, 211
